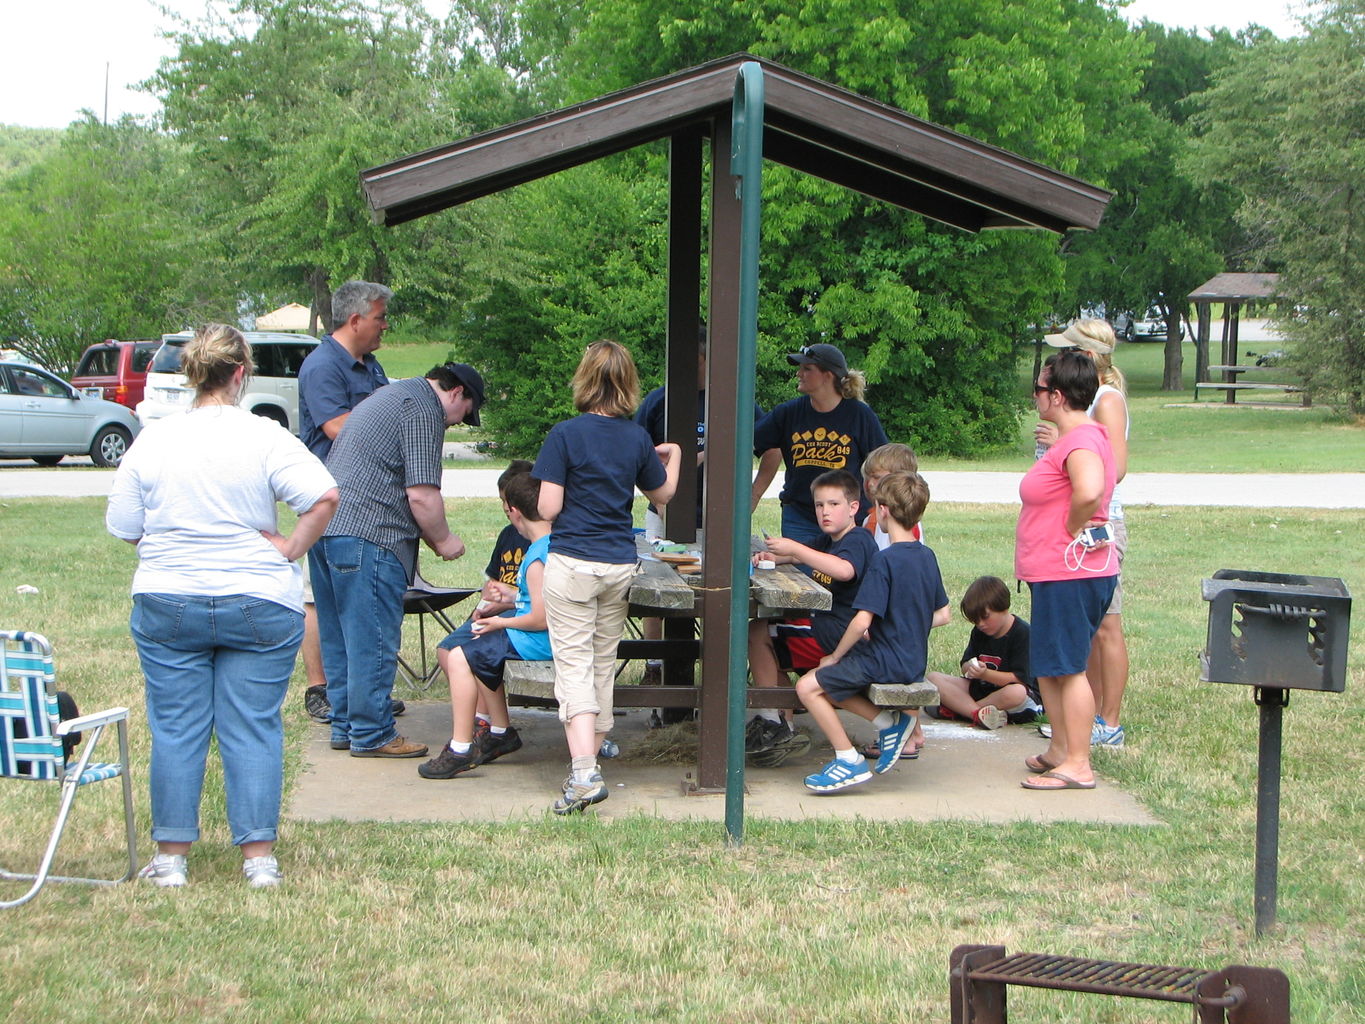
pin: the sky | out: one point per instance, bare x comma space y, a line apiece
56, 62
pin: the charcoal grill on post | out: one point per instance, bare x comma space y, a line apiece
1275, 632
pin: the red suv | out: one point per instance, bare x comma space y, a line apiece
117, 368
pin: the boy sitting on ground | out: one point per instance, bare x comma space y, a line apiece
837, 561
474, 655
900, 600
995, 685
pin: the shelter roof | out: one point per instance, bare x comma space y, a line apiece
1232, 287
290, 317
810, 125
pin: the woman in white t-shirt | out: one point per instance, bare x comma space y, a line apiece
1108, 667
217, 599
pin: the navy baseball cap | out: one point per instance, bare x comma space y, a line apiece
827, 357
473, 387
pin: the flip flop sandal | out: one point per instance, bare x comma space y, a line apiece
873, 750
1067, 782
1038, 764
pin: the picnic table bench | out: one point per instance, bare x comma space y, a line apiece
1230, 386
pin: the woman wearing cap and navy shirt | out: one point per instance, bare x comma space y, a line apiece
828, 427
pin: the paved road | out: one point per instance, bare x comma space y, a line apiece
1252, 490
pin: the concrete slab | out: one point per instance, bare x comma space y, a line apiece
964, 774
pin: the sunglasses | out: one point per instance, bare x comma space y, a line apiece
1039, 389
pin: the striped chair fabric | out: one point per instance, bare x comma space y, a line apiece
31, 749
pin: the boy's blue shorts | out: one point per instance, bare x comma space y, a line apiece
850, 677
486, 654
1065, 616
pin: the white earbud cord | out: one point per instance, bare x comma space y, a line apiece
1076, 552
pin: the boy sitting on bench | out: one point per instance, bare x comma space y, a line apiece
474, 655
837, 561
900, 600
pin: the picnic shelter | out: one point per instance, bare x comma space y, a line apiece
739, 111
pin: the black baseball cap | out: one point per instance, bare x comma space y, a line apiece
473, 386
827, 357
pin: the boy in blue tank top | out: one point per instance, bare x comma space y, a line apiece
474, 655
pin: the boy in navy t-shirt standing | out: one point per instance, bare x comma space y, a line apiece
900, 600
837, 561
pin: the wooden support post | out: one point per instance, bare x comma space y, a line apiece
720, 461
684, 320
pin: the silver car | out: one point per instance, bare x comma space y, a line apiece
44, 418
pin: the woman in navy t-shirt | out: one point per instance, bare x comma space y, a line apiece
589, 468
828, 427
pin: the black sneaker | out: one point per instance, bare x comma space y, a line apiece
762, 734
315, 703
320, 711
491, 747
448, 764
773, 757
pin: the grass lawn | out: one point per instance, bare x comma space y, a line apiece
640, 920
1171, 434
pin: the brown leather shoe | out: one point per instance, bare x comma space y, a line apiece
396, 747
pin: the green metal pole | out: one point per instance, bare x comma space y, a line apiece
746, 165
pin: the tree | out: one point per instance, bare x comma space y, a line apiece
21, 148
931, 314
1282, 124
96, 246
284, 105
1164, 233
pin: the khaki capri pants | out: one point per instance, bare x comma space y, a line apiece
585, 611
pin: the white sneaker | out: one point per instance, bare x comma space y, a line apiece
262, 872
988, 716
167, 870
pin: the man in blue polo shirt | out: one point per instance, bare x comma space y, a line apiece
342, 370
333, 380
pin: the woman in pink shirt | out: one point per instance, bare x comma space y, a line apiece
1064, 492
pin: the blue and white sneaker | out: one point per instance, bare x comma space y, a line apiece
838, 775
891, 741
1102, 734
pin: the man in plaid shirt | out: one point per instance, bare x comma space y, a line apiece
387, 464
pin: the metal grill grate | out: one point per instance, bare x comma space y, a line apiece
1145, 981
980, 977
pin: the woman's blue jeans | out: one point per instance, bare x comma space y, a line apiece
215, 665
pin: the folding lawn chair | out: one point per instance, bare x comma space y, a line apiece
422, 599
31, 749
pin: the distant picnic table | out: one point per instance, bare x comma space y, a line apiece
1230, 385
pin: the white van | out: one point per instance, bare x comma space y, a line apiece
272, 391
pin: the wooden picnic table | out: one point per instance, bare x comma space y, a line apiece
1231, 384
658, 589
